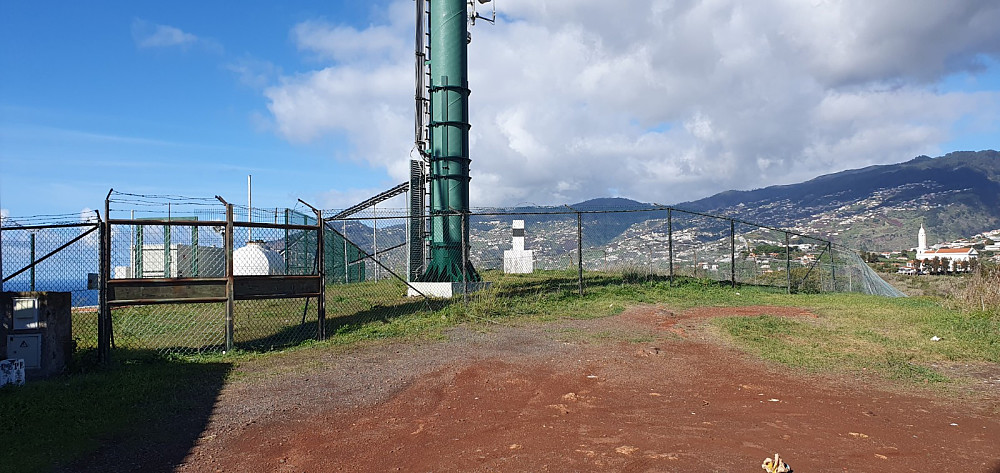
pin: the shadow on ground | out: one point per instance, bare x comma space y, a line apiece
150, 413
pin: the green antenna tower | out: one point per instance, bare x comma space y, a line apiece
448, 153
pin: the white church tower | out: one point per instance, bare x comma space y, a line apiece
921, 241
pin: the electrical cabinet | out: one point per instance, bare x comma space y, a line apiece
36, 327
26, 347
25, 313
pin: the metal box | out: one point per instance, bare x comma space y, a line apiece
25, 313
27, 348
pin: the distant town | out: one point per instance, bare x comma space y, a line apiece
949, 257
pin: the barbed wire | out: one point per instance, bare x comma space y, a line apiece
48, 219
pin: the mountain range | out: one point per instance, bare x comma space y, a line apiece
879, 207
876, 208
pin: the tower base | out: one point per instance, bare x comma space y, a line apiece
444, 290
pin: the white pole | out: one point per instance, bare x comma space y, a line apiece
375, 240
249, 209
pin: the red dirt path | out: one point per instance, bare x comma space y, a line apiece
643, 391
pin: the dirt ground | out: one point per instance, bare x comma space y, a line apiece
648, 390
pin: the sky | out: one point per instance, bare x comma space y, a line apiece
663, 101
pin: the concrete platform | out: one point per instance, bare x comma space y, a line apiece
444, 290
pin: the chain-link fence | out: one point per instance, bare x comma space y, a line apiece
516, 246
191, 275
55, 253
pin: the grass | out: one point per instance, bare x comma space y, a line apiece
854, 333
51, 423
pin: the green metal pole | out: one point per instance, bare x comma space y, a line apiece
449, 162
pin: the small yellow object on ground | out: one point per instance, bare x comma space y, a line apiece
775, 465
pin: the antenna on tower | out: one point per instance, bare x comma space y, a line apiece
474, 15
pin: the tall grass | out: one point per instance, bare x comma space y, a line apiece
982, 292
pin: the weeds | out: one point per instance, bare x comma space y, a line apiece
982, 292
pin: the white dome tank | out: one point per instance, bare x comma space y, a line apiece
257, 260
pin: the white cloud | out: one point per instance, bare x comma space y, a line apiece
151, 35
252, 72
4, 213
688, 99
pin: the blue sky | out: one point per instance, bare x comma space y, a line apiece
314, 98
85, 105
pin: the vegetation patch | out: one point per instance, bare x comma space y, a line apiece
140, 400
895, 338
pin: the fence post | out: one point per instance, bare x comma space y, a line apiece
347, 274
788, 266
138, 271
194, 252
102, 295
287, 253
166, 246
579, 250
833, 265
465, 253
32, 249
321, 301
732, 251
230, 280
1, 257
103, 273
670, 244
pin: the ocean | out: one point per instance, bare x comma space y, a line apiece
81, 296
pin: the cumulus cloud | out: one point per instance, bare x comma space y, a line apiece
660, 101
4, 213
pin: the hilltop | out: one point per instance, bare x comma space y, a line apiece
879, 207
